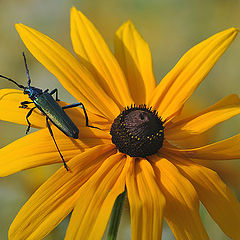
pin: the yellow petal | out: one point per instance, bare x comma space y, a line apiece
223, 150
179, 84
182, 204
73, 75
215, 196
228, 171
135, 59
78, 117
38, 148
204, 120
92, 49
55, 199
10, 100
146, 201
96, 198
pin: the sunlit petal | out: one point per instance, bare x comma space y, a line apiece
96, 199
74, 76
179, 84
146, 201
135, 59
38, 148
215, 195
10, 100
204, 120
78, 117
55, 199
182, 204
92, 49
223, 150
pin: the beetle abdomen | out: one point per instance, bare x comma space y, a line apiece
49, 107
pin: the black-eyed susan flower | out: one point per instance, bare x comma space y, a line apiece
138, 146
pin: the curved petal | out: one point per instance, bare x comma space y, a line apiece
94, 52
78, 117
74, 76
146, 201
182, 203
228, 171
56, 198
179, 84
134, 57
10, 100
96, 199
215, 196
204, 120
223, 150
38, 148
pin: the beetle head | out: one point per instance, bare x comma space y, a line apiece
32, 92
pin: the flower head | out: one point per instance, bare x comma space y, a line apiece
138, 146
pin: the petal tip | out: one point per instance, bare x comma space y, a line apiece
129, 22
234, 29
128, 25
74, 10
20, 26
17, 25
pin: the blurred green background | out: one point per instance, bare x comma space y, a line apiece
170, 27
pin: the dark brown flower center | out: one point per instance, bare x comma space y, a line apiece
138, 131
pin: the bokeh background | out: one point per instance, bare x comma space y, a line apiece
170, 27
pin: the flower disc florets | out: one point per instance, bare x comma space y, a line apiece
138, 131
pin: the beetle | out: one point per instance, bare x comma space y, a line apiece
49, 107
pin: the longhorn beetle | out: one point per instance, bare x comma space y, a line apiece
49, 107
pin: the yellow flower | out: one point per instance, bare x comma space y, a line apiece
168, 184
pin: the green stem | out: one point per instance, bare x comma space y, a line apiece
115, 217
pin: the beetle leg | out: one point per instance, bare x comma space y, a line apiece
25, 104
51, 133
28, 115
76, 105
84, 110
55, 91
73, 105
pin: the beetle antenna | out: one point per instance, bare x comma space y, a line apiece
28, 76
9, 79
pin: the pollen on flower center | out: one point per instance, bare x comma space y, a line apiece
138, 131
